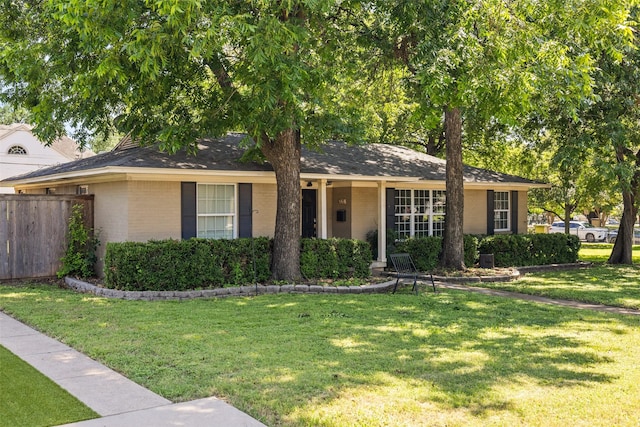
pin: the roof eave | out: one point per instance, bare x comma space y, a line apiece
112, 173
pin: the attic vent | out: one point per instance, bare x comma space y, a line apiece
16, 149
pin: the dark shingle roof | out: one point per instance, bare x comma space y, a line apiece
333, 158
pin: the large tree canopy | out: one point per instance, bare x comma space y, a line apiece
492, 60
171, 71
613, 121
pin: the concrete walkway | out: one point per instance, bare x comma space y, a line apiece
542, 300
119, 401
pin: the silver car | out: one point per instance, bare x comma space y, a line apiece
582, 229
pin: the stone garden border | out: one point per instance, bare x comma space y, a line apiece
253, 290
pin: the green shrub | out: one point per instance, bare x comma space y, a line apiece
470, 250
334, 258
80, 257
425, 251
530, 249
187, 264
372, 239
205, 263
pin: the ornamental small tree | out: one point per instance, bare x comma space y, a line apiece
80, 258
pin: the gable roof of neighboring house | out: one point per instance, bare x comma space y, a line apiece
64, 145
221, 156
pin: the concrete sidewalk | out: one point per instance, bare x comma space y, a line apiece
119, 401
543, 300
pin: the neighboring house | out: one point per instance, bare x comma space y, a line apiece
22, 152
346, 191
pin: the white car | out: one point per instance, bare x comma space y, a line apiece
582, 229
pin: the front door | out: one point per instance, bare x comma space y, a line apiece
309, 213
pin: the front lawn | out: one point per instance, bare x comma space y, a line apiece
30, 399
452, 358
599, 252
617, 285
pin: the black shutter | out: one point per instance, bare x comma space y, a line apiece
514, 212
188, 209
245, 211
491, 214
391, 208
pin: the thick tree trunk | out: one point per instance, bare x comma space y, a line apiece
622, 252
453, 244
284, 155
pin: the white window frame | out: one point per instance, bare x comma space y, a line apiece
413, 213
233, 215
498, 209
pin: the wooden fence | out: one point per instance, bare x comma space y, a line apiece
33, 233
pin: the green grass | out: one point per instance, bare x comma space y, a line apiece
599, 252
452, 358
615, 285
28, 398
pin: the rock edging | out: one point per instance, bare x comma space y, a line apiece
376, 288
85, 287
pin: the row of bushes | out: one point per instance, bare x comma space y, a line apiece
531, 249
513, 250
204, 263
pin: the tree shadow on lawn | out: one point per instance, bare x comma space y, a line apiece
465, 349
452, 348
605, 284
281, 357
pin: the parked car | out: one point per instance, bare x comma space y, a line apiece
613, 234
583, 230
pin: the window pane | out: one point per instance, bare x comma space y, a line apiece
439, 201
438, 225
501, 210
403, 213
216, 211
419, 213
215, 227
501, 220
216, 199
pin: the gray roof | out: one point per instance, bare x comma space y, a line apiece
332, 158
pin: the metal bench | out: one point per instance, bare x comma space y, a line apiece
405, 268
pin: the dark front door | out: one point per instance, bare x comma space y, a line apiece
309, 213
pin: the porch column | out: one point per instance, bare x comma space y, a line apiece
323, 213
382, 223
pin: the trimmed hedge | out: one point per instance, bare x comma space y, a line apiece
425, 251
531, 249
178, 265
185, 264
335, 258
509, 250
